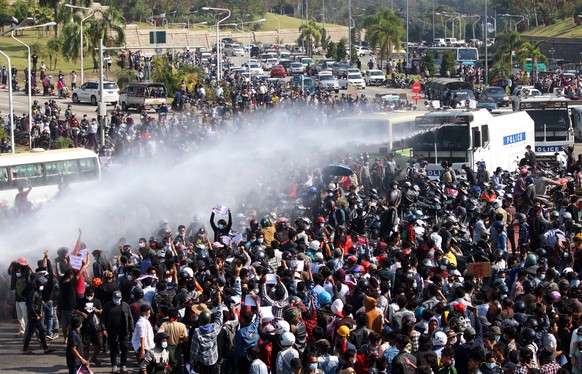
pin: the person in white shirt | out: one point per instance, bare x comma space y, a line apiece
257, 366
143, 334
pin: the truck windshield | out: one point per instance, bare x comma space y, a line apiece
552, 120
446, 138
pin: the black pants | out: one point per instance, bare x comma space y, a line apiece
116, 342
32, 326
207, 369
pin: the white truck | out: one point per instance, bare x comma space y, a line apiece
468, 136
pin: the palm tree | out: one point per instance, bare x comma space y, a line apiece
509, 44
533, 52
108, 25
384, 30
53, 50
311, 34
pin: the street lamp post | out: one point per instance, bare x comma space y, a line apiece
29, 80
350, 30
218, 56
81, 46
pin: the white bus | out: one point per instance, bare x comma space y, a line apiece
45, 171
468, 136
462, 55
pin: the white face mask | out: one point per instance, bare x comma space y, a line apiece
41, 288
89, 298
169, 280
18, 275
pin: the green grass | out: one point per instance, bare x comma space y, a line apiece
562, 29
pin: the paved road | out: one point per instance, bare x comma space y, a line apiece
12, 362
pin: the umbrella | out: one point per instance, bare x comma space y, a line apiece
338, 169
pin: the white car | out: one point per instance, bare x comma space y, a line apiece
328, 83
254, 68
363, 51
374, 77
89, 92
296, 68
268, 65
355, 80
236, 50
354, 71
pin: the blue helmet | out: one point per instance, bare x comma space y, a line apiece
324, 298
529, 180
476, 189
411, 218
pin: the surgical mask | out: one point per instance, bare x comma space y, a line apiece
165, 345
497, 337
169, 280
41, 288
220, 226
313, 366
443, 267
415, 285
129, 277
575, 282
490, 365
542, 277
18, 275
321, 224
89, 298
116, 301
409, 275
260, 240
141, 245
453, 341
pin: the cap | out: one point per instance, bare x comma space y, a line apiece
217, 245
496, 330
509, 366
107, 274
296, 363
460, 307
199, 308
22, 261
117, 295
343, 331
469, 331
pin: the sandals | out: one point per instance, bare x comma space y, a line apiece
49, 350
28, 352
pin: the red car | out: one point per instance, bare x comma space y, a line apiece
278, 71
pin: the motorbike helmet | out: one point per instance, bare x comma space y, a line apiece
363, 285
529, 180
282, 327
204, 317
527, 335
412, 218
528, 286
503, 289
441, 307
320, 219
520, 217
567, 215
541, 253
137, 293
324, 298
519, 306
444, 263
532, 323
260, 255
439, 339
287, 339
265, 222
160, 336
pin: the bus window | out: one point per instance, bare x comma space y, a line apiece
87, 169
58, 171
32, 172
4, 182
485, 135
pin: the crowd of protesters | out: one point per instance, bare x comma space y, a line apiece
332, 290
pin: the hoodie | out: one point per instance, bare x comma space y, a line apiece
375, 320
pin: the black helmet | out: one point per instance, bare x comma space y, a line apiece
137, 293
444, 261
563, 284
532, 322
528, 285
363, 285
527, 335
183, 276
520, 318
204, 317
503, 290
519, 306
260, 255
160, 336
62, 251
541, 252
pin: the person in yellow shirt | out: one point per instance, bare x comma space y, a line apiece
450, 256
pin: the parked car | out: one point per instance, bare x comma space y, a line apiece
363, 51
495, 94
268, 65
253, 68
340, 68
355, 80
374, 77
327, 82
296, 68
234, 50
90, 92
278, 71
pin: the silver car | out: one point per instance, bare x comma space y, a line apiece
328, 83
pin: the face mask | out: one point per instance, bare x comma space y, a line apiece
129, 277
454, 341
116, 301
409, 275
260, 241
414, 285
579, 338
497, 337
321, 224
18, 275
41, 288
220, 226
169, 280
542, 277
141, 245
490, 365
574, 282
165, 345
443, 267
89, 298
313, 366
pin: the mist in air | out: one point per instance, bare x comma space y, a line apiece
237, 169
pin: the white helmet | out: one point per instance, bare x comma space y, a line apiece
337, 306
282, 327
189, 270
439, 339
287, 339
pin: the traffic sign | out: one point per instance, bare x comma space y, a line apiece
416, 97
416, 87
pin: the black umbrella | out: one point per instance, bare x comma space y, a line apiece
338, 169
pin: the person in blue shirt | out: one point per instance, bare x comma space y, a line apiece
247, 336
